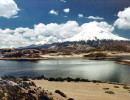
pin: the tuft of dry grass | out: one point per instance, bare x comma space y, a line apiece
61, 93
109, 92
126, 87
106, 88
116, 86
70, 99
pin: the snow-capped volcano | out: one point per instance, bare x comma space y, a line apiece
95, 32
89, 31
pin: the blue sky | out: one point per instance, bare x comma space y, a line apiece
33, 12
36, 11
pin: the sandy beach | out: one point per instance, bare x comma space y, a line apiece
86, 90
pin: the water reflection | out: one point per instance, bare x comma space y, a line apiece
89, 69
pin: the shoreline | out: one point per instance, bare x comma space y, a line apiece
60, 79
77, 89
63, 57
73, 56
22, 58
34, 59
125, 62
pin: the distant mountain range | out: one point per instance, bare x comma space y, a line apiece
86, 38
79, 45
88, 32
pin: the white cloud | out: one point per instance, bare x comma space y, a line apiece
8, 8
8, 40
63, 1
64, 30
48, 33
41, 33
15, 16
96, 18
67, 10
123, 22
53, 12
80, 15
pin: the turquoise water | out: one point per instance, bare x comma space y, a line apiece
88, 69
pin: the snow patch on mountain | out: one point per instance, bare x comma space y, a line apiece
48, 40
96, 31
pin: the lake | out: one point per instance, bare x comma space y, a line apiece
89, 69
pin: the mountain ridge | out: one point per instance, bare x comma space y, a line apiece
82, 44
92, 31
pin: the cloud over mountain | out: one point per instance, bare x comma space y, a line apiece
8, 8
41, 32
53, 32
123, 21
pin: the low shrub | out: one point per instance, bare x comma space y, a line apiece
40, 77
69, 79
109, 92
59, 79
96, 55
32, 84
96, 81
25, 85
116, 86
51, 79
24, 78
43, 96
61, 93
1, 95
77, 80
31, 91
70, 99
8, 78
106, 88
126, 87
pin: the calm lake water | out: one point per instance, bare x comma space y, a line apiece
88, 69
